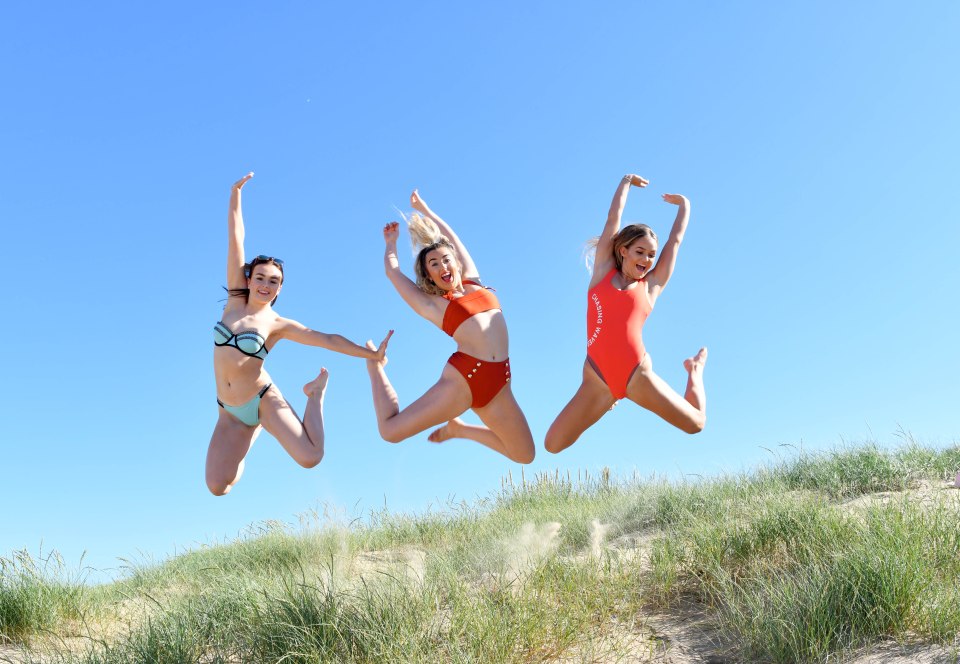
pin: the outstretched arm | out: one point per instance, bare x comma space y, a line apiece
235, 233
466, 262
603, 262
663, 270
419, 301
302, 334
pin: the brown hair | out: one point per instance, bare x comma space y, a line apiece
248, 272
627, 236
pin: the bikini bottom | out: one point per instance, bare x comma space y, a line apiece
248, 413
486, 379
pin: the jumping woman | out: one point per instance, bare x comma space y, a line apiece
448, 293
627, 280
248, 399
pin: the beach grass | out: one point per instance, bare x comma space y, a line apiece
805, 559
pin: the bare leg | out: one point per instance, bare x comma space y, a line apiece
687, 413
302, 439
229, 445
695, 394
587, 406
449, 397
507, 431
512, 438
457, 428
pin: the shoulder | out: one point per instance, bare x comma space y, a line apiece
601, 275
277, 323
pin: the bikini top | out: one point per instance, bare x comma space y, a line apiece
466, 306
248, 342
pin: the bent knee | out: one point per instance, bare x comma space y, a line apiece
311, 461
695, 426
525, 457
219, 488
392, 435
556, 444
553, 446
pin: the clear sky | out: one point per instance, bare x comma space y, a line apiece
818, 144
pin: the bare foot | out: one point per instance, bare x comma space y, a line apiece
318, 384
698, 361
375, 363
449, 430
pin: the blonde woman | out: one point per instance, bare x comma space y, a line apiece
628, 278
448, 293
247, 331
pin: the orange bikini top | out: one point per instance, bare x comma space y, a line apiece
466, 306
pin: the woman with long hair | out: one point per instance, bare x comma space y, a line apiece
627, 279
247, 331
448, 293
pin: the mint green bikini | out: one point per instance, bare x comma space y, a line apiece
251, 344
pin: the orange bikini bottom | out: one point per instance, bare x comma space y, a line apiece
486, 379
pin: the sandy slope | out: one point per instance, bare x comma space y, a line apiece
686, 635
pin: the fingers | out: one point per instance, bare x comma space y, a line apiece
415, 200
370, 345
386, 340
390, 231
242, 181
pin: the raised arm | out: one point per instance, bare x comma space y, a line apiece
419, 301
235, 233
663, 270
466, 262
301, 334
603, 262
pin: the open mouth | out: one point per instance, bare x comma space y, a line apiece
447, 277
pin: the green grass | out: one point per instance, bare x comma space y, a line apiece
37, 594
788, 569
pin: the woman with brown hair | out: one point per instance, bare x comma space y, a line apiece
248, 329
448, 293
627, 279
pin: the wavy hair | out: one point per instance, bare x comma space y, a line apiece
425, 236
624, 238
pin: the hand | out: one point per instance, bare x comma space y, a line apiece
381, 352
675, 199
238, 185
391, 232
636, 180
417, 203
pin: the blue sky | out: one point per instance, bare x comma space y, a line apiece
817, 143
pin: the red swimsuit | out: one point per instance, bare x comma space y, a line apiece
615, 321
485, 379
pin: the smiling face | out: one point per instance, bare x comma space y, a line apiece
442, 268
265, 283
638, 257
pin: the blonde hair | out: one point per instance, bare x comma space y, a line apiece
425, 236
624, 238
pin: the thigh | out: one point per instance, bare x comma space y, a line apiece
282, 422
229, 445
504, 418
447, 399
592, 400
648, 390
